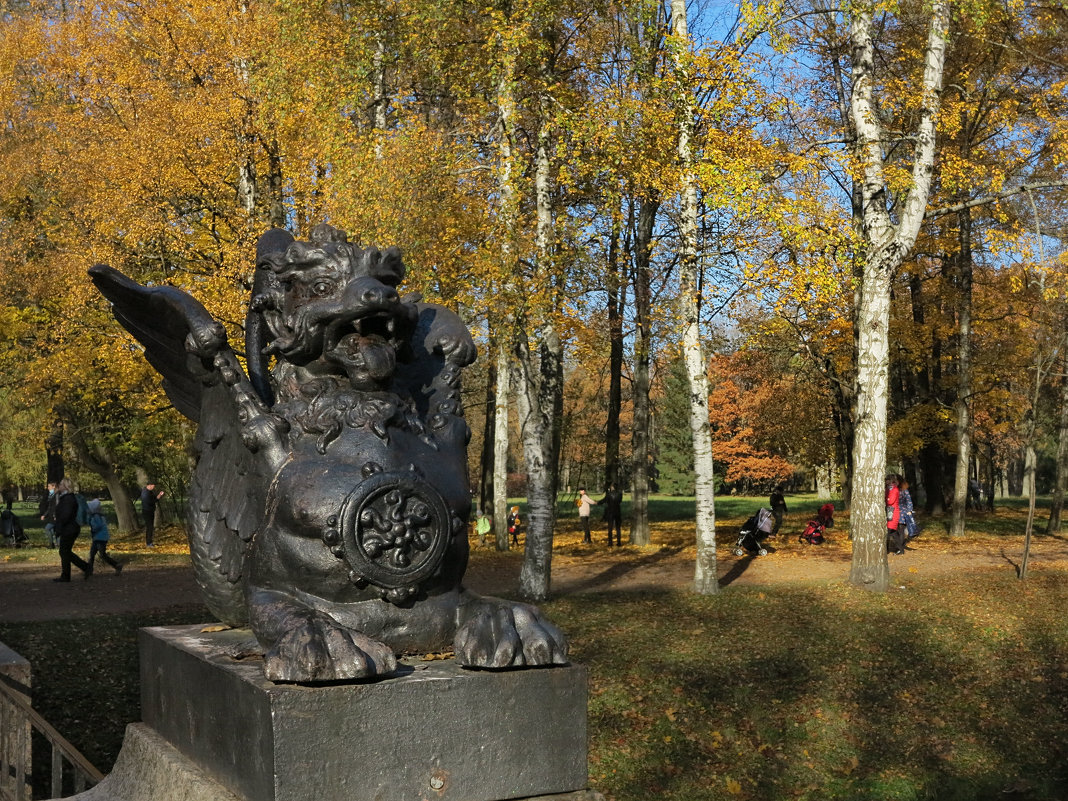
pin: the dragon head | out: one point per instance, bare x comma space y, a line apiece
333, 308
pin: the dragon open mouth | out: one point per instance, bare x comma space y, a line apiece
368, 351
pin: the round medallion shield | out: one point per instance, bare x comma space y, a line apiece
395, 530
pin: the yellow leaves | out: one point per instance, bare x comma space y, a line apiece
734, 787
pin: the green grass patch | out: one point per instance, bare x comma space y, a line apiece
956, 689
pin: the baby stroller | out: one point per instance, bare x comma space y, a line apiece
11, 529
813, 533
752, 532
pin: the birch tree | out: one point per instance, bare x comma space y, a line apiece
887, 231
705, 581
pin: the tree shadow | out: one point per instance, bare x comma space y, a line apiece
737, 569
1015, 565
616, 571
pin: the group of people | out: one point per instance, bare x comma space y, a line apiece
484, 525
612, 503
64, 511
900, 514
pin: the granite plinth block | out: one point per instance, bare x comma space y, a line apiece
151, 769
433, 731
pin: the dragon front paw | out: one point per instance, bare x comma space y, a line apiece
502, 634
318, 649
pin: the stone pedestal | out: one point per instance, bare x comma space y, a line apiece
435, 731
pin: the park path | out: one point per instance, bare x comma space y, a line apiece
28, 593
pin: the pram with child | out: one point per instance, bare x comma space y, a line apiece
753, 532
824, 519
11, 529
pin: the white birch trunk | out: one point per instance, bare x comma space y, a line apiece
379, 66
246, 170
705, 580
506, 330
825, 480
500, 447
541, 380
964, 379
1053, 525
886, 246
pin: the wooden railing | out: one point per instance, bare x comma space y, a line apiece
17, 720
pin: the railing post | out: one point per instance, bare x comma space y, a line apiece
57, 772
15, 727
18, 720
22, 787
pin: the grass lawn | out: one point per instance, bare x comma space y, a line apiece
955, 689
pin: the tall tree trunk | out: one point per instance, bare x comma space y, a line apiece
500, 447
54, 470
276, 212
962, 405
540, 392
642, 426
616, 304
378, 121
1053, 525
1030, 461
705, 580
886, 244
485, 481
508, 224
101, 462
541, 381
825, 474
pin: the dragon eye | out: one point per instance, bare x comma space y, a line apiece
323, 287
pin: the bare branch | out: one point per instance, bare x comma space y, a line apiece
941, 211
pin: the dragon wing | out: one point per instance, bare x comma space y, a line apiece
239, 442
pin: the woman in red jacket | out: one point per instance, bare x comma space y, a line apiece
894, 543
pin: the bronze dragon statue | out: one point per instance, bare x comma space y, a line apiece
329, 504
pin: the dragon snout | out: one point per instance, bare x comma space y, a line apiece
381, 295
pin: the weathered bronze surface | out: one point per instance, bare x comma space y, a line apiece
329, 505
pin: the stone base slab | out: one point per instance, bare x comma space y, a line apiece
150, 769
435, 731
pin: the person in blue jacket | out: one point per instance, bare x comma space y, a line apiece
98, 525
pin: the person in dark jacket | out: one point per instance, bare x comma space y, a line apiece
67, 530
47, 511
778, 508
149, 496
613, 513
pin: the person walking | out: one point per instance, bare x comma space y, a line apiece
483, 525
513, 524
613, 513
908, 512
584, 503
149, 496
894, 543
67, 530
98, 526
778, 508
46, 509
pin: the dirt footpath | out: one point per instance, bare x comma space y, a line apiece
27, 591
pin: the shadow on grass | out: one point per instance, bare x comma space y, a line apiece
737, 569
621, 569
